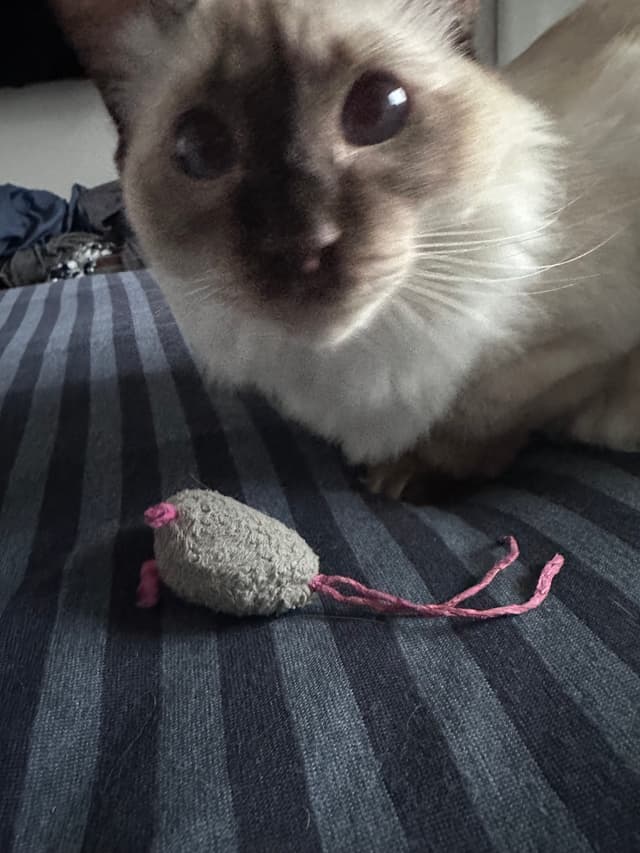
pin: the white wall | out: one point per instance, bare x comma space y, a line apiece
520, 22
55, 135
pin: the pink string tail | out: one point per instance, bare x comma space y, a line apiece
149, 586
382, 602
160, 515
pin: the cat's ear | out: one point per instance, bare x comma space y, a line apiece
117, 42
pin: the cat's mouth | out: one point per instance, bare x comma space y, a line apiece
303, 279
323, 298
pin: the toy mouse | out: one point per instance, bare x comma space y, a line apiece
213, 551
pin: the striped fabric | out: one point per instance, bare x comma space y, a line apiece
174, 730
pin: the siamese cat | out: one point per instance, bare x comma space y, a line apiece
418, 258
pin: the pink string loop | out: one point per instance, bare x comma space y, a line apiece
382, 602
160, 515
149, 586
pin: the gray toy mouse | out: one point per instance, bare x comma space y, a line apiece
214, 551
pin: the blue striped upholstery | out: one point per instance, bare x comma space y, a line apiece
174, 730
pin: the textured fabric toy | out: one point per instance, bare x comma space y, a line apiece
214, 551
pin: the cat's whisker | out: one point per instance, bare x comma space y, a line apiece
474, 245
198, 290
452, 278
448, 264
569, 201
198, 301
426, 297
552, 218
562, 284
566, 286
444, 260
477, 245
462, 233
585, 254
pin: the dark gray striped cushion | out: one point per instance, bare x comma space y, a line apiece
174, 730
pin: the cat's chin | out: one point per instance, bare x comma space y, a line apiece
325, 330
320, 326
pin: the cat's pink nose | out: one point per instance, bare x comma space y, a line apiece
311, 263
326, 236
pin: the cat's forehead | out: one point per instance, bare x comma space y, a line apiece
255, 37
239, 39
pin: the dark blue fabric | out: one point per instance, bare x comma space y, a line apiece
28, 217
178, 731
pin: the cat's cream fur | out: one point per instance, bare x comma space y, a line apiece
516, 300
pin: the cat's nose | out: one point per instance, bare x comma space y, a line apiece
311, 256
303, 253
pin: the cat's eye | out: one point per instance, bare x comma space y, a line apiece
376, 109
203, 146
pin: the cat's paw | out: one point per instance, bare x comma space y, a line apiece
392, 479
443, 470
412, 480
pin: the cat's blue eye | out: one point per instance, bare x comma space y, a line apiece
203, 146
376, 109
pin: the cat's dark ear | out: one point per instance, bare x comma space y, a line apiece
117, 42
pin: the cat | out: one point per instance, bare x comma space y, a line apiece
416, 257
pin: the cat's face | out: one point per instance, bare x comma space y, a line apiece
284, 157
289, 164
